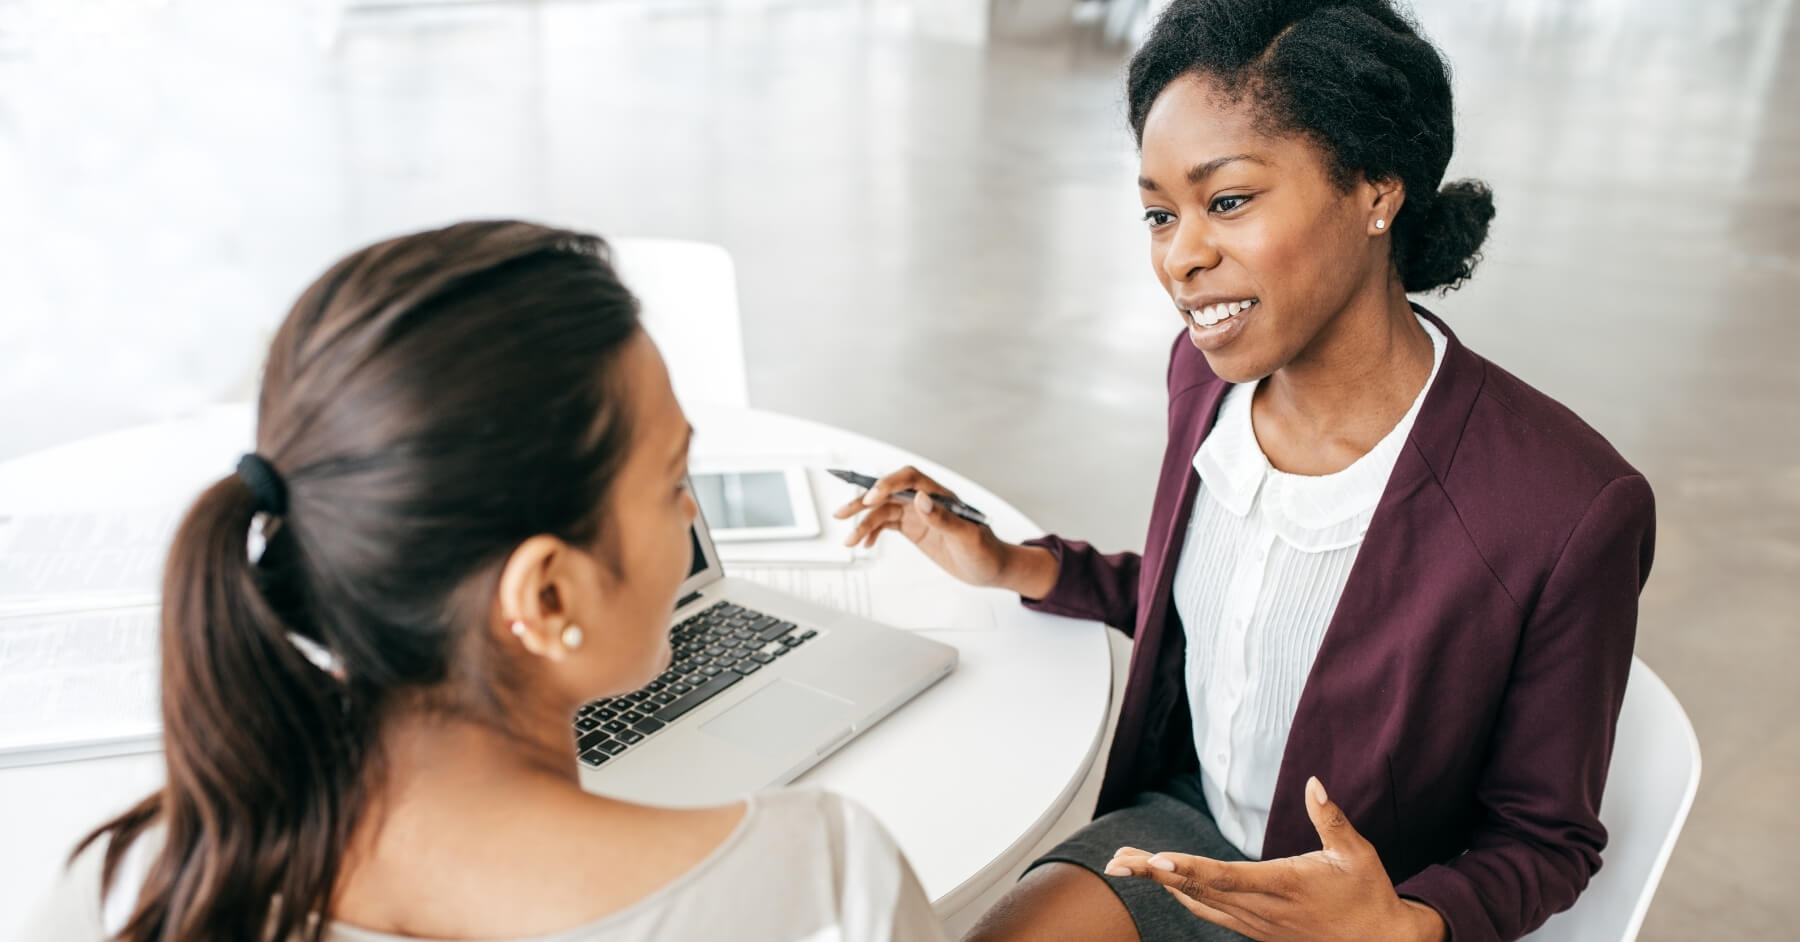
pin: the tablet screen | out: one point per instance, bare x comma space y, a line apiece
744, 500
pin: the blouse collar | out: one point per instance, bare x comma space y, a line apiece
1312, 512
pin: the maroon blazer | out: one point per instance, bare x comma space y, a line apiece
1462, 706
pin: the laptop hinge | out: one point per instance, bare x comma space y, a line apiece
691, 597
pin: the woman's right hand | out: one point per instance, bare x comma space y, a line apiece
967, 550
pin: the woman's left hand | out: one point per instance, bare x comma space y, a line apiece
1339, 892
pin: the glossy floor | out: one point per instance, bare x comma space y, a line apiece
939, 245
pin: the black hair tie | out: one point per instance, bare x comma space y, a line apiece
265, 485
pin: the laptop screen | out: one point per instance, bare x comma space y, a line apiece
704, 567
699, 553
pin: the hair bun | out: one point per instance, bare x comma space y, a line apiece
1443, 246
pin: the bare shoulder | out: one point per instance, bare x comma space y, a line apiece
700, 830
638, 848
530, 863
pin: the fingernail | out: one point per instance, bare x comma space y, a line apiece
868, 498
1316, 789
1163, 863
1114, 870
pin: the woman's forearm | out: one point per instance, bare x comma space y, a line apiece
1029, 570
1423, 923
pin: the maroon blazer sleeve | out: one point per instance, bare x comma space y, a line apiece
1090, 584
1539, 795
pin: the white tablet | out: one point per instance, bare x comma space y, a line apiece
756, 503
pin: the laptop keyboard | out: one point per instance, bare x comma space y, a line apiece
712, 650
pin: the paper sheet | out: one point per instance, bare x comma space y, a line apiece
60, 562
70, 678
78, 631
845, 588
931, 603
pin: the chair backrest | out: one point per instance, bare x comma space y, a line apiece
1655, 772
689, 295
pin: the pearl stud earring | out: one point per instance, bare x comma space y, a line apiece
1381, 224
571, 637
518, 629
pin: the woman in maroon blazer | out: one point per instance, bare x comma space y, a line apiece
1377, 564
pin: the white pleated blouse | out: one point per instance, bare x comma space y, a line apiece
1264, 563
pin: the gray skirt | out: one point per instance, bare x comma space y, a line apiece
1172, 818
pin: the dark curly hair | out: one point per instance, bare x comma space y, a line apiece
1355, 77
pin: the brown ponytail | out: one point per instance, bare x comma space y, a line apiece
263, 786
430, 402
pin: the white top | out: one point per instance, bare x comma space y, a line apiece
1262, 568
803, 866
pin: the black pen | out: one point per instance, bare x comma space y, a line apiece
951, 504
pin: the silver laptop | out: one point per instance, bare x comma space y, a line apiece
761, 687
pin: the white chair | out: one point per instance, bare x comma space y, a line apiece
689, 295
1655, 772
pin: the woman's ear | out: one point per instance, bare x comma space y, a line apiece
1384, 199
531, 608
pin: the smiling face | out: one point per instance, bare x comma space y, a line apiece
1259, 248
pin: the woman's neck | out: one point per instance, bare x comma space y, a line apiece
1335, 401
436, 769
434, 765
535, 743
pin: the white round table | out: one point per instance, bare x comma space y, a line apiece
969, 777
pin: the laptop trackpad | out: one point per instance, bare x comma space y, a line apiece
783, 718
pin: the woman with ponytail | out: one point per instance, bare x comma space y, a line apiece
1384, 614
466, 516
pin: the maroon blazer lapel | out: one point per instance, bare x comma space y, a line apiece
1155, 684
1191, 418
1376, 651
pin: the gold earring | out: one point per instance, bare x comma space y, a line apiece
572, 637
